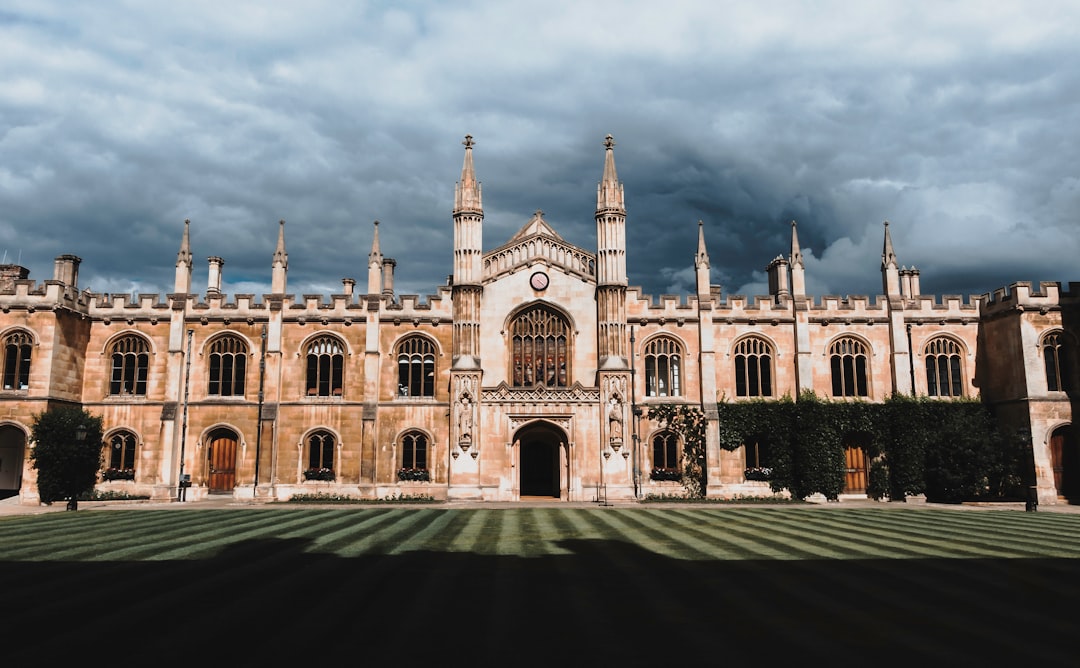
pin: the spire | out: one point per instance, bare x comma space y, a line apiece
467, 195
182, 284
280, 263
796, 250
375, 262
890, 273
609, 194
701, 263
798, 270
888, 257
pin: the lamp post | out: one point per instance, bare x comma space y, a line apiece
80, 438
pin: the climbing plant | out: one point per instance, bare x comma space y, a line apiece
690, 423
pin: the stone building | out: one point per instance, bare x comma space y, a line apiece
527, 375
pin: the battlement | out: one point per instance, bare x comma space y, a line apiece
1020, 296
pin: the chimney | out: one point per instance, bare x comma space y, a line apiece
388, 265
213, 282
66, 270
778, 277
350, 286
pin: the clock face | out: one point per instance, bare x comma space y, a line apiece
539, 280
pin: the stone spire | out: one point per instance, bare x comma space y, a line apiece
701, 263
611, 265
182, 284
798, 270
375, 268
280, 264
467, 194
890, 273
467, 289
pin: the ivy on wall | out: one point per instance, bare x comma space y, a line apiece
690, 423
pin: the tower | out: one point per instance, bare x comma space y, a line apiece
611, 265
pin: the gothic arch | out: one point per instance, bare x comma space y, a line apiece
213, 338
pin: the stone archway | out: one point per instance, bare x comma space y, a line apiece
12, 459
541, 461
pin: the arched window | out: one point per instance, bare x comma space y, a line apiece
320, 456
1056, 359
130, 365
539, 341
325, 363
17, 349
416, 367
414, 451
663, 367
665, 456
758, 458
228, 364
848, 358
943, 372
120, 456
753, 368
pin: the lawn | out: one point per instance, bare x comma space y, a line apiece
541, 586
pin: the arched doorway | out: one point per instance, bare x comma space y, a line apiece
221, 460
1065, 461
855, 469
540, 461
12, 457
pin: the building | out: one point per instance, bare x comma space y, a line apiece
524, 376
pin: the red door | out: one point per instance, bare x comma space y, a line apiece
221, 458
1063, 461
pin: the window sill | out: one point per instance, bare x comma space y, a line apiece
318, 399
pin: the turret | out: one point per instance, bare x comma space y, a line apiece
611, 264
66, 270
468, 247
213, 280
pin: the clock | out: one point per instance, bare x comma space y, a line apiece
539, 280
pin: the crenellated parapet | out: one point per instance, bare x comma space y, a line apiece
1019, 296
512, 256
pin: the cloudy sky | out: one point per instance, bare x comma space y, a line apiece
958, 122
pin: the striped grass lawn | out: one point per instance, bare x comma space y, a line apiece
542, 586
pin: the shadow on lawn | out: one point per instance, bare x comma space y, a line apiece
270, 602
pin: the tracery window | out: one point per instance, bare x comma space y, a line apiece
539, 342
121, 454
1056, 359
943, 370
848, 358
325, 364
17, 349
663, 367
228, 364
320, 451
753, 368
665, 455
130, 365
416, 367
414, 451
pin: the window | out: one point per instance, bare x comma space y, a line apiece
416, 367
848, 358
539, 338
325, 360
17, 348
320, 452
130, 362
228, 363
665, 456
1055, 356
943, 376
414, 451
753, 368
663, 368
120, 456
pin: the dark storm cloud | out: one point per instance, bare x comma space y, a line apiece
956, 122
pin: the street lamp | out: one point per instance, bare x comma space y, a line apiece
80, 438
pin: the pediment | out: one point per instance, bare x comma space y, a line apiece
538, 241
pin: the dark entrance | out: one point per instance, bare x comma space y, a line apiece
540, 461
1063, 461
12, 452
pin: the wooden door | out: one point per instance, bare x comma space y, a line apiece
1064, 462
855, 470
1057, 460
221, 458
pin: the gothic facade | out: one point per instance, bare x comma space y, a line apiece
528, 375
